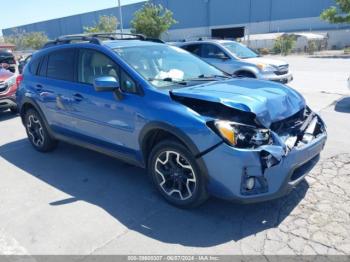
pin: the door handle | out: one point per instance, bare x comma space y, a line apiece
78, 97
38, 87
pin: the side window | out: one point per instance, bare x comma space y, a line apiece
61, 65
43, 67
127, 84
194, 49
92, 64
212, 51
34, 65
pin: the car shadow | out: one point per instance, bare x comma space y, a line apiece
7, 115
125, 192
343, 105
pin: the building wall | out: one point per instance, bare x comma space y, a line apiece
201, 13
75, 24
198, 17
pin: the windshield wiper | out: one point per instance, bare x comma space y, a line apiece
170, 80
208, 78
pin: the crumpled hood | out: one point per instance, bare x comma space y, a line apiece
269, 101
267, 61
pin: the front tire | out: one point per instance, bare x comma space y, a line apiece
37, 132
14, 110
175, 173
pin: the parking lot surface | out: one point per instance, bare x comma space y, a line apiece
75, 201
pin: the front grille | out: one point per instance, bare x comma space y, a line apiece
3, 87
280, 73
282, 70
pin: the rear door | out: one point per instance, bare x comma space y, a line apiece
59, 78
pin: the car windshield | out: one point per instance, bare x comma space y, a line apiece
167, 66
240, 50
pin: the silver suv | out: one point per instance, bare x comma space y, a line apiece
239, 60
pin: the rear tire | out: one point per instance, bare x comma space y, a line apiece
37, 132
175, 173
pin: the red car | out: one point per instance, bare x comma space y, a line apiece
8, 87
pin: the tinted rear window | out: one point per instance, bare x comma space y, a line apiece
33, 66
3, 53
43, 67
7, 58
61, 65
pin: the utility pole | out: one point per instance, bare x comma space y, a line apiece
120, 17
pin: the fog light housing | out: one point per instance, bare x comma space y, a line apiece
250, 183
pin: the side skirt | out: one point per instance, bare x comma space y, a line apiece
123, 157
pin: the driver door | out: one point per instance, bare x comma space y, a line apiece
100, 117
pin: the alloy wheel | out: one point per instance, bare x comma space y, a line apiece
175, 175
35, 131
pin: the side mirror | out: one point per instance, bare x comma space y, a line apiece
106, 84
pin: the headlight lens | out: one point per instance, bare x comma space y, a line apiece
266, 68
11, 81
241, 135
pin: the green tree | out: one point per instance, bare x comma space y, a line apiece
311, 47
35, 40
30, 40
152, 20
337, 14
105, 24
284, 44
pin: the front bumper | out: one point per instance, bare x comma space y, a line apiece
8, 102
229, 167
286, 78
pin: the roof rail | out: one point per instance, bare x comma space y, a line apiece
67, 39
113, 36
94, 38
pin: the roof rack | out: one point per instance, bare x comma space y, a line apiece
70, 38
94, 38
123, 36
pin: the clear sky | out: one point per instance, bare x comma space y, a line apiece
21, 12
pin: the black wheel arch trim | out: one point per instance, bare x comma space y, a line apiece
35, 105
244, 70
147, 130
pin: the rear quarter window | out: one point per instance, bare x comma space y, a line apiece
34, 65
61, 65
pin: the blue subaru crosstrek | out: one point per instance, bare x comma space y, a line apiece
197, 131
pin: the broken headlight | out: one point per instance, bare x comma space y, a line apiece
241, 135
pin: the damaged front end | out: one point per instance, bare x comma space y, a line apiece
244, 132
